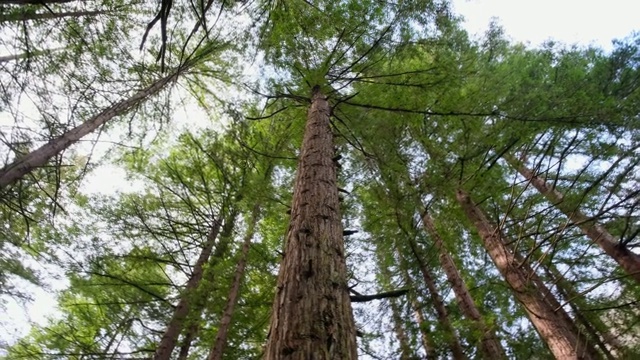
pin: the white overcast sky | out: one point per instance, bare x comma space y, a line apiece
528, 21
568, 21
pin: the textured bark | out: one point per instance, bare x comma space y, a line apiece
438, 303
220, 342
552, 328
490, 343
311, 316
27, 16
170, 336
39, 157
629, 261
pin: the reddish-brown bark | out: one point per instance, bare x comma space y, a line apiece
170, 336
490, 345
220, 342
628, 260
551, 326
39, 157
311, 316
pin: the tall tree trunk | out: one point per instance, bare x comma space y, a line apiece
423, 326
551, 326
225, 322
396, 311
39, 157
490, 343
598, 331
191, 333
30, 54
29, 15
36, 2
438, 303
311, 316
398, 328
170, 337
628, 260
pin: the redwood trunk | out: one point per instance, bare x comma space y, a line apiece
629, 261
441, 310
170, 337
552, 328
311, 316
225, 323
39, 157
490, 346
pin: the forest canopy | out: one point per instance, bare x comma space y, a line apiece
312, 180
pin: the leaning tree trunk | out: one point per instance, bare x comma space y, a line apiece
28, 16
311, 316
170, 336
423, 325
628, 260
39, 157
490, 343
438, 303
599, 332
225, 322
552, 328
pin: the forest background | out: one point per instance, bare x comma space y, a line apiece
422, 110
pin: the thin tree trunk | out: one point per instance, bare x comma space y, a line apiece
552, 328
401, 335
192, 331
311, 316
27, 16
170, 337
36, 2
31, 54
396, 311
438, 303
225, 322
39, 157
629, 261
490, 343
423, 326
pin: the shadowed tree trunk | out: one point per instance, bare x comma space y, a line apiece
629, 261
438, 303
39, 157
490, 346
423, 325
597, 330
28, 55
311, 316
225, 322
198, 297
27, 15
551, 326
398, 328
170, 336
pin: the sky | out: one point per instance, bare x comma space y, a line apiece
568, 21
587, 22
